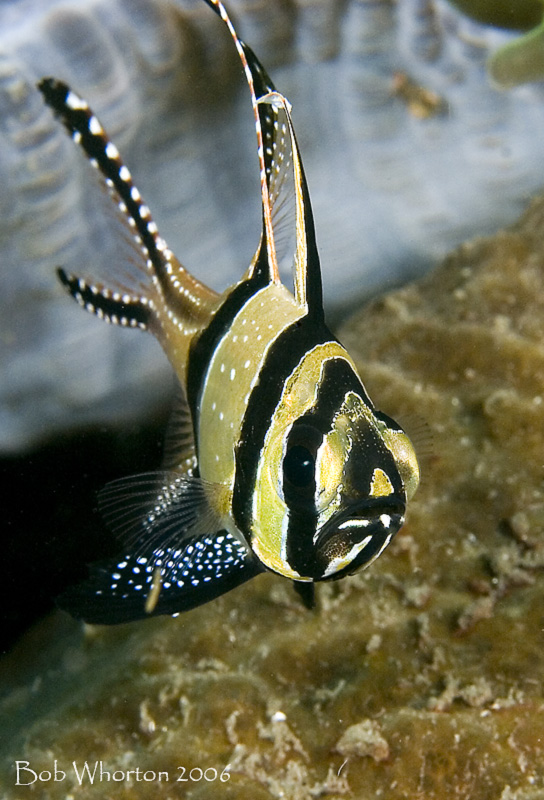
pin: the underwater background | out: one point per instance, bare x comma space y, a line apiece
423, 675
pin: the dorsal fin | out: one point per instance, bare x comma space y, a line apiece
259, 83
150, 276
278, 152
285, 176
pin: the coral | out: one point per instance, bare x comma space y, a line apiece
407, 147
502, 13
520, 61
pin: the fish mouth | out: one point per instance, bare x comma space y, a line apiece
357, 536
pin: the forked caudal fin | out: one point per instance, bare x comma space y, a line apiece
160, 280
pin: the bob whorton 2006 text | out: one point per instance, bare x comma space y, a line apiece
100, 772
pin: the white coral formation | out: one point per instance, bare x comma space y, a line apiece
391, 190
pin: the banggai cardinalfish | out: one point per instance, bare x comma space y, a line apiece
280, 461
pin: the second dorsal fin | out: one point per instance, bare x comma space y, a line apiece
283, 183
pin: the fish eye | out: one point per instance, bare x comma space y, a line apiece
299, 466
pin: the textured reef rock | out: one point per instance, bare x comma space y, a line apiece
420, 678
408, 148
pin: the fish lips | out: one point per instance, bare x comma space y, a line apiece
358, 534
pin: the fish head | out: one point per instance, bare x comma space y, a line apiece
336, 477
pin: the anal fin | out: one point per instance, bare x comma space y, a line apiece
167, 581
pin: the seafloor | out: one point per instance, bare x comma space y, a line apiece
421, 678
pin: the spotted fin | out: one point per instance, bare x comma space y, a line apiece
174, 557
167, 581
150, 277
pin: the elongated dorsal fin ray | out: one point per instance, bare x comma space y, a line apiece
278, 158
154, 274
288, 191
276, 142
166, 580
259, 83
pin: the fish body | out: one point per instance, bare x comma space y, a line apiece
276, 459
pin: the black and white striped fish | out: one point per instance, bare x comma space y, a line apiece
280, 460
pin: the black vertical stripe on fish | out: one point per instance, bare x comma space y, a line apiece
283, 357
338, 379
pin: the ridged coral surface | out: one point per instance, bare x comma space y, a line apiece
407, 146
421, 678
